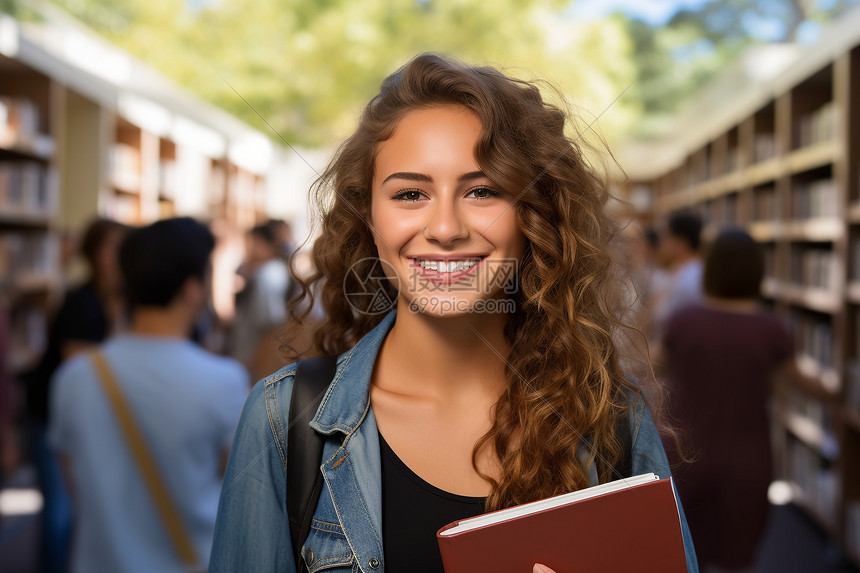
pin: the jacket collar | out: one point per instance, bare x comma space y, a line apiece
347, 398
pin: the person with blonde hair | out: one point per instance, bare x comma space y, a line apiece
464, 272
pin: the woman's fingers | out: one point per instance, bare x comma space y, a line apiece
538, 568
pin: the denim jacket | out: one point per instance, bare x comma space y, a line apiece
252, 530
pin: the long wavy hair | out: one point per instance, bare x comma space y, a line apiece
565, 389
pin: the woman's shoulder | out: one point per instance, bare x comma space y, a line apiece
269, 398
276, 387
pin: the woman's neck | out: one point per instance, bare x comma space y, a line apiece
443, 357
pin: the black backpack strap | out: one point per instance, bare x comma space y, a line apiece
305, 447
624, 466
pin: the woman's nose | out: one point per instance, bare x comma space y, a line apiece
446, 224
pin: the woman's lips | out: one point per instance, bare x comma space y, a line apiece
446, 277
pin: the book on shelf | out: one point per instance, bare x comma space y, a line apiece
765, 207
19, 127
818, 126
813, 421
30, 256
732, 159
813, 337
626, 525
815, 267
167, 178
764, 146
19, 121
216, 185
125, 166
28, 333
27, 188
852, 526
730, 210
769, 256
852, 389
813, 199
124, 208
855, 259
817, 480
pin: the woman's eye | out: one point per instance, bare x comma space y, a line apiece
483, 193
409, 195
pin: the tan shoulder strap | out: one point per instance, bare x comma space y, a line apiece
146, 463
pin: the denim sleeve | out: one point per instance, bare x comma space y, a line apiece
252, 531
649, 456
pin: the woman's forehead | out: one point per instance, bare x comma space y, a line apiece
436, 139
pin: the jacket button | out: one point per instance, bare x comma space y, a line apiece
374, 562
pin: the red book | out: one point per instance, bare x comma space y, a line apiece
630, 525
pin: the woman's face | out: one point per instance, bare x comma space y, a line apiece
449, 235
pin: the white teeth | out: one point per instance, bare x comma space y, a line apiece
449, 266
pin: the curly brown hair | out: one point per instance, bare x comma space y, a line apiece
565, 389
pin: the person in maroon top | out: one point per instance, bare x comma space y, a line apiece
721, 358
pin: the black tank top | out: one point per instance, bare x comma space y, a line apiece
412, 512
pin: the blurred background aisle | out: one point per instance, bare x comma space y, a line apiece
738, 113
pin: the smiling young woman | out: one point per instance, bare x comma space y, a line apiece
493, 380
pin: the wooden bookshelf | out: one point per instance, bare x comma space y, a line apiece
29, 242
788, 170
78, 141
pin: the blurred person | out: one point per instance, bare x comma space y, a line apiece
261, 306
465, 332
655, 271
679, 248
721, 358
647, 277
185, 401
89, 314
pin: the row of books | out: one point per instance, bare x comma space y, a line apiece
123, 207
764, 146
19, 126
813, 337
852, 389
817, 480
769, 255
125, 166
852, 525
27, 257
814, 267
765, 204
815, 416
126, 173
855, 258
27, 188
818, 126
722, 211
28, 327
216, 184
815, 199
733, 159
167, 179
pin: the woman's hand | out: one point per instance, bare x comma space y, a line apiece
538, 568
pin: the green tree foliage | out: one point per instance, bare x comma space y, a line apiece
677, 58
308, 66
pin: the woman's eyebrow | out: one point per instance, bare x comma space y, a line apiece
409, 176
421, 177
471, 175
